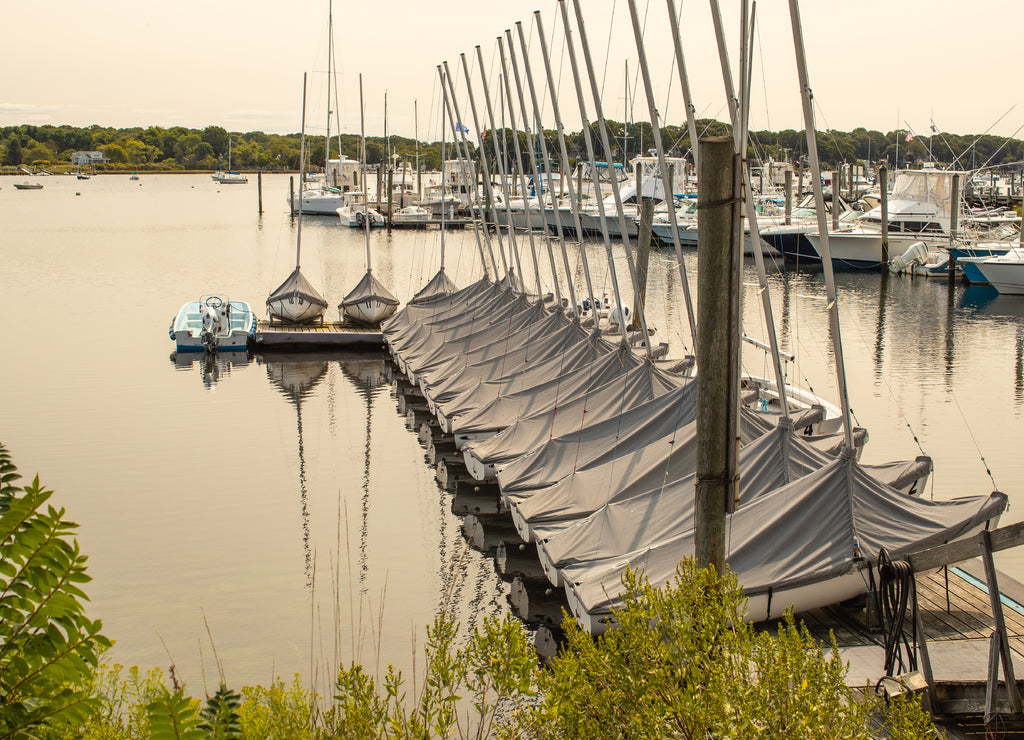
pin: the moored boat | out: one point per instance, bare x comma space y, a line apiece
213, 323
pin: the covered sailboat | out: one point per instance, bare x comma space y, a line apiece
295, 300
807, 544
369, 302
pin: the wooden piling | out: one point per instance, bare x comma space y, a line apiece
291, 194
789, 196
259, 188
643, 242
836, 187
718, 257
391, 198
954, 219
883, 188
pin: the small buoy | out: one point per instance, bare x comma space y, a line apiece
77, 193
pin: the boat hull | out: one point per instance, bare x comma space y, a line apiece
294, 310
236, 327
1005, 275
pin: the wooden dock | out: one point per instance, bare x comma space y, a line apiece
329, 334
969, 647
956, 620
433, 223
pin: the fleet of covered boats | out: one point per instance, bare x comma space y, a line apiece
589, 433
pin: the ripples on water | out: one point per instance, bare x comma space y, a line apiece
284, 497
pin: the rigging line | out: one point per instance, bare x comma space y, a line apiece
977, 446
764, 82
672, 65
1002, 146
608, 48
977, 138
868, 347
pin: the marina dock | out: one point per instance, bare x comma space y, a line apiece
329, 334
957, 631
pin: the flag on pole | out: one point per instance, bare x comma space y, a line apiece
910, 136
459, 128
934, 130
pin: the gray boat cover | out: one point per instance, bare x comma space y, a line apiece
655, 462
499, 352
819, 527
438, 286
440, 347
636, 386
369, 288
492, 406
634, 517
593, 444
296, 286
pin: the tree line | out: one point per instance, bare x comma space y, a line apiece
185, 149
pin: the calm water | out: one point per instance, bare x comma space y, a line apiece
282, 499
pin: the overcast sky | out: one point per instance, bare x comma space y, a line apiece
882, 64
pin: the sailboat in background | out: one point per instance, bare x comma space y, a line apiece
296, 300
229, 177
369, 302
323, 198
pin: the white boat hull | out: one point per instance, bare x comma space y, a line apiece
228, 327
294, 310
370, 311
1005, 274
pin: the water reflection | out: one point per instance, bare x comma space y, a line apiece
296, 377
212, 366
367, 376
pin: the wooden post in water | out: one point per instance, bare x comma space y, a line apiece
836, 187
800, 185
291, 194
883, 189
379, 184
643, 242
259, 188
579, 193
954, 219
718, 256
391, 195
789, 196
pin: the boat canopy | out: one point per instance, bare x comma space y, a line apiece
297, 286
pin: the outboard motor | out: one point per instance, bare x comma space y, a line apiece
214, 320
917, 253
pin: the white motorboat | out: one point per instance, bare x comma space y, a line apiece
357, 214
410, 216
213, 323
1005, 273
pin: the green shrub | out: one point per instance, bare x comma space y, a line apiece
48, 647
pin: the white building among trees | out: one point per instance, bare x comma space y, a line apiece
82, 159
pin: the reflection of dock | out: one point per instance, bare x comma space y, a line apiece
432, 223
334, 334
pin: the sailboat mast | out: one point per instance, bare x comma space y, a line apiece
330, 50
416, 135
302, 172
362, 161
819, 197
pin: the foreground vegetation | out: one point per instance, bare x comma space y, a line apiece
681, 663
181, 149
